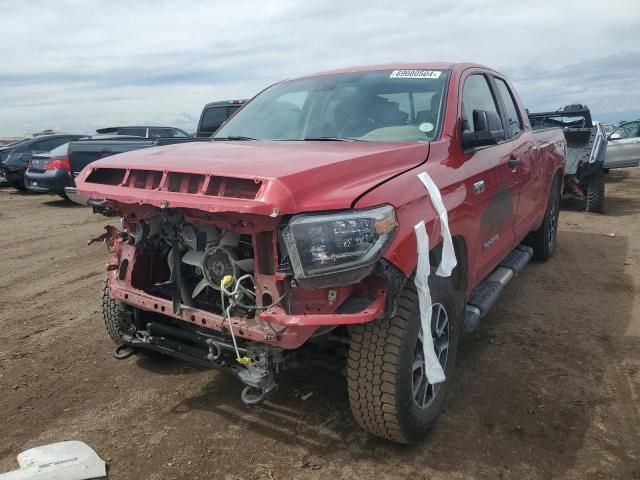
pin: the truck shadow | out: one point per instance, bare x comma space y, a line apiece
529, 386
62, 203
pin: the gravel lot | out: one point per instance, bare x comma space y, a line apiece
548, 387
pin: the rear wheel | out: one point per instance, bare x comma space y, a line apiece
595, 192
389, 393
543, 240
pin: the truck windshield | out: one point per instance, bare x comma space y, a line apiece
384, 106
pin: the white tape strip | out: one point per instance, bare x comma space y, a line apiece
433, 369
448, 262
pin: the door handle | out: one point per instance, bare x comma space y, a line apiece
513, 162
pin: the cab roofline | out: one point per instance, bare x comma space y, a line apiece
398, 66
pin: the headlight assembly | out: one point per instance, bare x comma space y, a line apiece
338, 248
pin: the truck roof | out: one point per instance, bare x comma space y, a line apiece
111, 129
225, 103
401, 66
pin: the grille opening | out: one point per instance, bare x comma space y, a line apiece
174, 181
215, 184
195, 183
241, 188
107, 176
233, 187
147, 179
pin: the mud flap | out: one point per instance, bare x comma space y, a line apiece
433, 369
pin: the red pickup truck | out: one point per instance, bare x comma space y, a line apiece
291, 233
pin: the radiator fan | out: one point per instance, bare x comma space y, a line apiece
216, 261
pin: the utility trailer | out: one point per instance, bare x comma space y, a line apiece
586, 150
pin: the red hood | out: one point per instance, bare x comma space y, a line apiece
294, 176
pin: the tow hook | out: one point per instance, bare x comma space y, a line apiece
254, 396
123, 351
258, 377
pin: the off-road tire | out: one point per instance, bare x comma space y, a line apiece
544, 239
115, 315
595, 192
380, 363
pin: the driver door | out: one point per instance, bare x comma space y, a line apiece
623, 146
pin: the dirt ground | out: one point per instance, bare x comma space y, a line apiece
548, 387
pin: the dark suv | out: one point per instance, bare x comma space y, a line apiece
16, 159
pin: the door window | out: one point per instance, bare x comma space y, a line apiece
42, 146
161, 132
177, 133
476, 95
628, 130
513, 118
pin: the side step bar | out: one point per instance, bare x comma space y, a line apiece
485, 295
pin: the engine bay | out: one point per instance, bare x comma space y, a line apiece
188, 263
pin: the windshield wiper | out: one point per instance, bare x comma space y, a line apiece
231, 137
329, 139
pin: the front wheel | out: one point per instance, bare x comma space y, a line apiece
389, 393
118, 320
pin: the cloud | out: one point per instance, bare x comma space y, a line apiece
77, 64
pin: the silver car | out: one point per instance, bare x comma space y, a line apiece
623, 146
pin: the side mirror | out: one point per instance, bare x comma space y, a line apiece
615, 136
488, 130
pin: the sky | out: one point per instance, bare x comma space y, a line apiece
75, 66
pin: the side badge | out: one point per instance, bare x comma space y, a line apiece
478, 187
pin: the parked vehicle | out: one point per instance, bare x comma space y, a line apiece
623, 146
586, 151
50, 172
83, 153
144, 131
5, 150
291, 233
215, 114
15, 158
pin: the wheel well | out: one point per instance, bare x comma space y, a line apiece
459, 274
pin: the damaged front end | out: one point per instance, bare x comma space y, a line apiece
229, 280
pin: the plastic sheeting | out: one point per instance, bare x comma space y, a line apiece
72, 460
433, 369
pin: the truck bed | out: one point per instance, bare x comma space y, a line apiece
585, 140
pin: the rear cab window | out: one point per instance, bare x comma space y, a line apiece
136, 132
212, 118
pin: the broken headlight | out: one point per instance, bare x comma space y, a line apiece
338, 248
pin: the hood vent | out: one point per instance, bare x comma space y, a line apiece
178, 182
